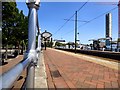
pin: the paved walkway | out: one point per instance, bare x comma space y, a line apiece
40, 74
9, 64
66, 70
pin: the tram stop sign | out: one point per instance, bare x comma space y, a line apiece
46, 35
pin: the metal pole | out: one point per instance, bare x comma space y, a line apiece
111, 43
75, 30
39, 43
39, 46
45, 44
32, 30
51, 42
8, 78
32, 25
30, 76
118, 42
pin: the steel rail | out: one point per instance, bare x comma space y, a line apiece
9, 77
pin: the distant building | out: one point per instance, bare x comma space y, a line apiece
108, 28
60, 41
108, 25
96, 45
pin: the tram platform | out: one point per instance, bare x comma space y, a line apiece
68, 70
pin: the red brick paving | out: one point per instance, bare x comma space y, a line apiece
4, 68
66, 71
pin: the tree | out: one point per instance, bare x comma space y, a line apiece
14, 24
8, 20
21, 29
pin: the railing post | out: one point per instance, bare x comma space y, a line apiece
39, 42
32, 25
38, 50
30, 76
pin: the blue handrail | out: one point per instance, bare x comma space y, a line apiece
8, 78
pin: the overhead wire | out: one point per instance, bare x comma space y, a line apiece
64, 24
82, 6
97, 17
71, 17
92, 19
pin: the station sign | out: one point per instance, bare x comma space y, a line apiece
46, 35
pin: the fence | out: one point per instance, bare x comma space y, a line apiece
8, 78
105, 54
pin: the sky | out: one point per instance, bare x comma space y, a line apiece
52, 16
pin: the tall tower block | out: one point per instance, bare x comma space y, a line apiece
108, 25
108, 28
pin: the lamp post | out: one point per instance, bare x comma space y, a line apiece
75, 31
118, 42
51, 42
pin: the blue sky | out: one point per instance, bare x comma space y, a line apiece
52, 15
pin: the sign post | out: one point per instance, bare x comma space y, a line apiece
118, 43
46, 35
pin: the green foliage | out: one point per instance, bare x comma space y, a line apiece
14, 24
49, 43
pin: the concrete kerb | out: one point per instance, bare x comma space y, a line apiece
40, 74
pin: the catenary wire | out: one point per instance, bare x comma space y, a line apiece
70, 18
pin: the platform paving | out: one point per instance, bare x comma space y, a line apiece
68, 70
11, 63
40, 74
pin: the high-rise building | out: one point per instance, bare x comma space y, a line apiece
108, 28
108, 25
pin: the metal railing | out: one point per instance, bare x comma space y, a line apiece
8, 78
